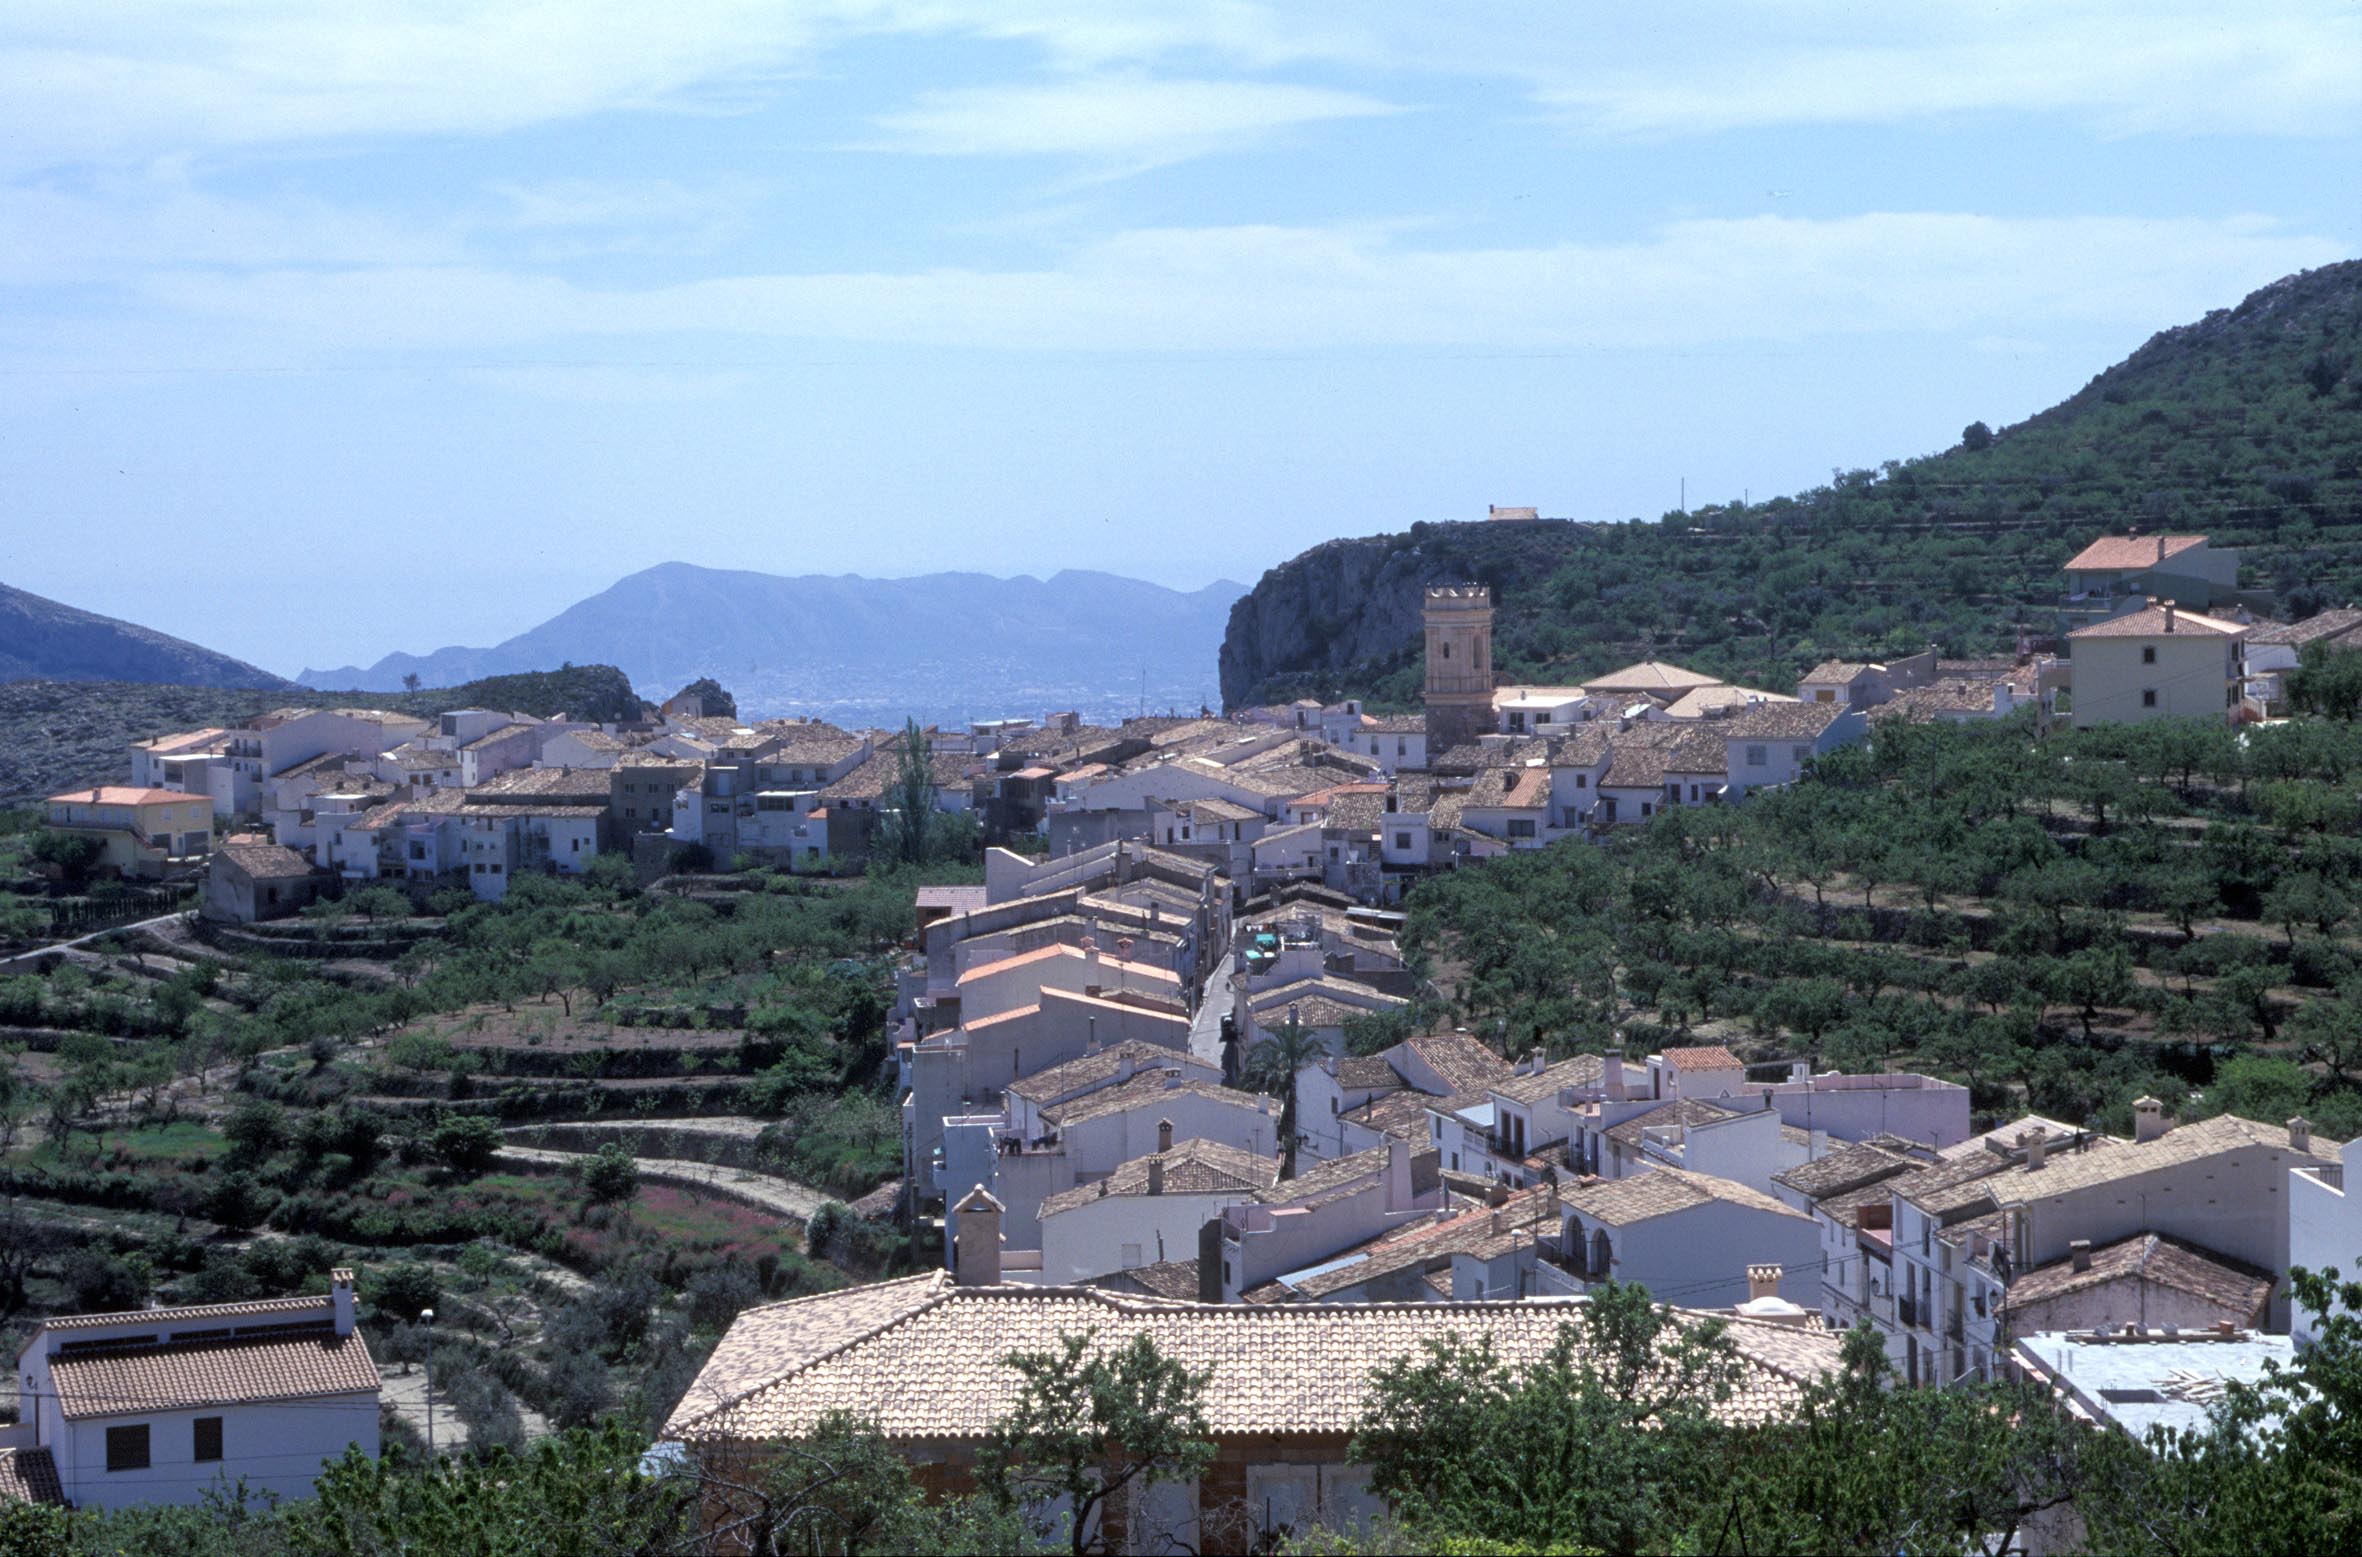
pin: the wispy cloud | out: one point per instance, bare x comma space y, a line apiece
1689, 286
2276, 67
1124, 119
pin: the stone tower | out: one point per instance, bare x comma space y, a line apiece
1459, 620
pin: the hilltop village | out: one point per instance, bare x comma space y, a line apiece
1159, 1076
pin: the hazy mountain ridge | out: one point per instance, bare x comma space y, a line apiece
2246, 426
937, 645
46, 640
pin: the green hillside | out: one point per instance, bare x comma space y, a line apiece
2246, 426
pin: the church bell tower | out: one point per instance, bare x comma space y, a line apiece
1459, 619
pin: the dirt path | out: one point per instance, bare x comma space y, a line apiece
764, 1191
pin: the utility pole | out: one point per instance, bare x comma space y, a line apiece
426, 1317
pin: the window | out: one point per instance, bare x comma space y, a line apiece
1332, 1105
207, 1438
2148, 697
1755, 756
1582, 781
1402, 840
127, 1448
2148, 654
1801, 753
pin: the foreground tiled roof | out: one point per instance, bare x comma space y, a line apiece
29, 1475
2117, 553
934, 1364
259, 1308
119, 1381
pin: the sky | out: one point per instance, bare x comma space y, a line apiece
332, 329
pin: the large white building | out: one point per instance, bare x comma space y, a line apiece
163, 1405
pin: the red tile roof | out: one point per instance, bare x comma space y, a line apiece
118, 1381
2119, 553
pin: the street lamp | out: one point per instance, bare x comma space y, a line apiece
426, 1317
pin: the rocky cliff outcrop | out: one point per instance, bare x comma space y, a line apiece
1346, 613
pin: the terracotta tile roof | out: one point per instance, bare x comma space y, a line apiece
1395, 724
122, 795
1144, 1089
1586, 747
29, 1475
939, 1370
2150, 623
1711, 1056
1109, 966
260, 1308
264, 861
1348, 1171
2119, 553
1467, 1064
778, 1338
1919, 704
2332, 623
1650, 676
525, 787
1367, 1073
1781, 721
1537, 1086
1837, 671
1663, 1191
2239, 1290
1173, 1280
117, 1381
1699, 702
2110, 1159
1401, 1115
1685, 1111
1423, 1246
1194, 1167
1511, 789
1852, 1166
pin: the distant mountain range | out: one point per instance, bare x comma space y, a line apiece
943, 646
43, 640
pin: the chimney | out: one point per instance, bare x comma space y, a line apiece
1091, 984
1156, 1175
2300, 1134
1495, 1227
2148, 1119
2079, 1254
976, 1246
2169, 616
1611, 1074
2036, 1146
1164, 1135
2160, 548
1763, 1281
340, 1297
1537, 1061
1398, 1174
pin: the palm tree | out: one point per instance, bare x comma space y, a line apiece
1271, 1068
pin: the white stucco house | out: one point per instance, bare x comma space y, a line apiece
161, 1405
